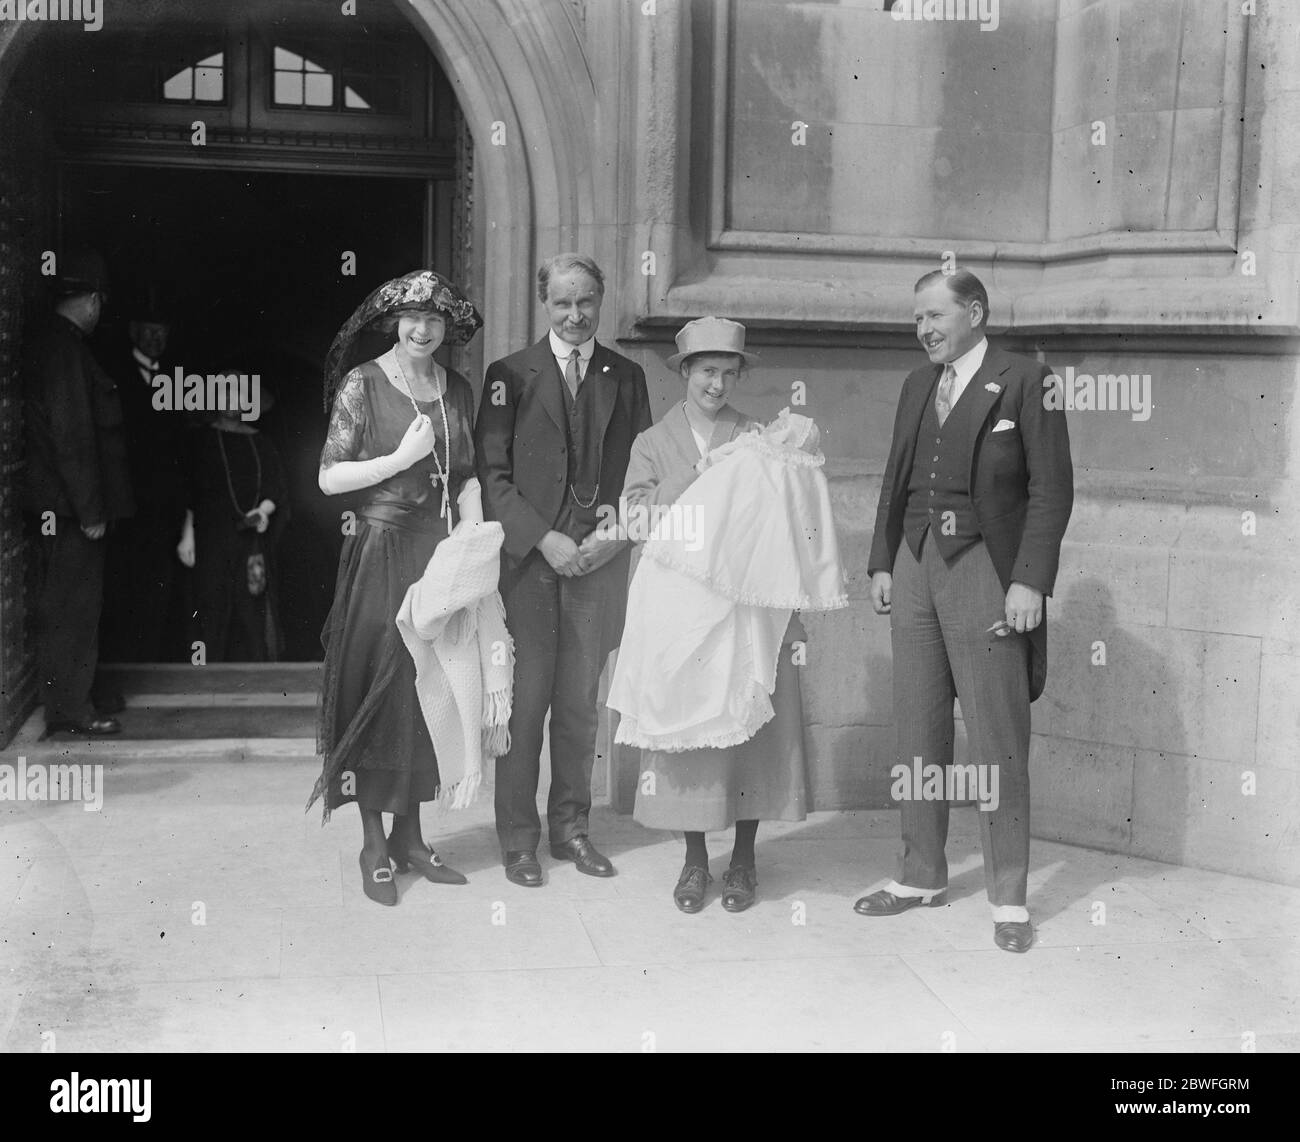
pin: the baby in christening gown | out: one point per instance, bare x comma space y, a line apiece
708, 606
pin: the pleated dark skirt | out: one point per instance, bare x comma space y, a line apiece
370, 730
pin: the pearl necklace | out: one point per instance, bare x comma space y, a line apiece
443, 475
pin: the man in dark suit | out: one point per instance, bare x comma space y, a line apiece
973, 506
554, 433
77, 485
141, 560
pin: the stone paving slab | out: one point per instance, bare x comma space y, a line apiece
201, 909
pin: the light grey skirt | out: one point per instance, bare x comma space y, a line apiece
765, 778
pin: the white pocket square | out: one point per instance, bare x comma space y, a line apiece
1003, 425
993, 387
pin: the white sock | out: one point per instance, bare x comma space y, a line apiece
1010, 913
904, 892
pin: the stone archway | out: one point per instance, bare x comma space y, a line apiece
519, 70
521, 73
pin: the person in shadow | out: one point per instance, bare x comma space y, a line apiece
236, 509
141, 559
77, 486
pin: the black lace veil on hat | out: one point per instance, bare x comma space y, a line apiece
418, 290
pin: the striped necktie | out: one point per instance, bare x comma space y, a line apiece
943, 398
573, 373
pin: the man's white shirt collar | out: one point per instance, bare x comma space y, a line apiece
561, 350
966, 366
143, 361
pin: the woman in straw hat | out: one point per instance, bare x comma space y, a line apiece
704, 789
401, 435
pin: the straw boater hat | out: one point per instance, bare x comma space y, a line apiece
711, 335
420, 290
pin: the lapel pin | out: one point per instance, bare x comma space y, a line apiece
992, 387
605, 369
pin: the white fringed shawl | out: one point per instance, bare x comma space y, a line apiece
453, 623
709, 602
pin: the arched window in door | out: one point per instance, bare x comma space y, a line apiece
335, 75
204, 82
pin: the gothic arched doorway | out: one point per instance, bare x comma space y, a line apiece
65, 168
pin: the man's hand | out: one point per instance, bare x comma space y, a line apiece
561, 553
597, 550
94, 531
1024, 608
882, 589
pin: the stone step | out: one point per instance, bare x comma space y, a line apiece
158, 723
162, 685
171, 732
117, 750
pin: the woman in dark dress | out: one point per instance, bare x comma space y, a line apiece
400, 434
235, 515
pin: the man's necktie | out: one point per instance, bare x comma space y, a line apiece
943, 398
573, 373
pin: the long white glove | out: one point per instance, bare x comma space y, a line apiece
469, 504
353, 475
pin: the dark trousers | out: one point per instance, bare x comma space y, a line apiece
67, 621
139, 570
940, 617
557, 624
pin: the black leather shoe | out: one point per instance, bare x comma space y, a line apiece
426, 862
1013, 935
522, 868
583, 853
95, 728
691, 887
377, 880
738, 885
884, 903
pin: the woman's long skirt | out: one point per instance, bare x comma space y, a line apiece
765, 779
371, 731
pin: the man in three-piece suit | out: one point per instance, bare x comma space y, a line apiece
973, 506
554, 432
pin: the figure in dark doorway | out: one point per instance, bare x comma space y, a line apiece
77, 487
141, 560
236, 512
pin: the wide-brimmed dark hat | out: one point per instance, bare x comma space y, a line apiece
418, 291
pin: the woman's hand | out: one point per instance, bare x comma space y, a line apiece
416, 444
185, 549
469, 503
263, 512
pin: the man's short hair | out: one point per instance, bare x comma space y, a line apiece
963, 285
563, 264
